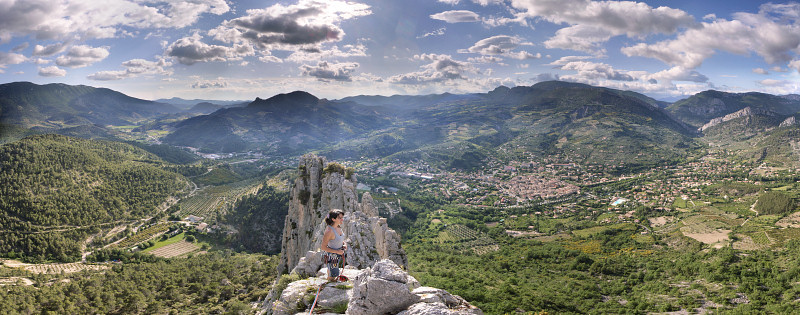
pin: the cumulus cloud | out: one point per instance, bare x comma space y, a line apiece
496, 45
134, 68
82, 56
457, 16
677, 74
210, 84
773, 34
795, 64
325, 71
594, 70
440, 69
485, 59
493, 21
438, 32
760, 71
10, 59
190, 50
524, 55
599, 20
357, 50
52, 71
303, 26
49, 50
580, 38
87, 19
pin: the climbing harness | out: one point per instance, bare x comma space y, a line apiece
341, 278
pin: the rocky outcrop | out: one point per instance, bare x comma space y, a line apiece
791, 121
744, 112
384, 288
376, 261
321, 186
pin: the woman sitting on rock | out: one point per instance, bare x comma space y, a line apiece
333, 244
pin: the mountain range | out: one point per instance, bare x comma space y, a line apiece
576, 122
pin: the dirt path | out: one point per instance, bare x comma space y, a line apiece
752, 208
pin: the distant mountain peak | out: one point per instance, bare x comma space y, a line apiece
292, 98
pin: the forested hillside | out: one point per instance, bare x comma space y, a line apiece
204, 284
57, 189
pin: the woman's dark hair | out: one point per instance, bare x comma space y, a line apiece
333, 214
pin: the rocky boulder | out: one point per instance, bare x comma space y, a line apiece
382, 289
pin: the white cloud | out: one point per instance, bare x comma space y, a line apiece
87, 19
767, 34
210, 84
438, 32
593, 70
567, 59
456, 16
599, 20
190, 50
52, 71
580, 38
760, 71
134, 68
795, 64
772, 82
10, 59
496, 45
440, 69
485, 59
677, 74
82, 56
451, 2
325, 71
49, 50
357, 50
487, 2
524, 55
519, 18
303, 26
780, 69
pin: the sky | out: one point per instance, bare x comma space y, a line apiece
239, 50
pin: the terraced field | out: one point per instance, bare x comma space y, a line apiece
206, 201
176, 249
464, 238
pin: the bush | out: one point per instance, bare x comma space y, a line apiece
190, 238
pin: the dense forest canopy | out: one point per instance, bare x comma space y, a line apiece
56, 189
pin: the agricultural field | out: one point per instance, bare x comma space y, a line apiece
464, 238
176, 249
53, 268
143, 235
208, 200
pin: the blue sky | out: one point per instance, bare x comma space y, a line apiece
219, 49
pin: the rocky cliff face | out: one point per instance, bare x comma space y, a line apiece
791, 121
376, 262
744, 112
319, 188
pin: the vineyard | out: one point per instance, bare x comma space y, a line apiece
65, 268
208, 200
463, 238
143, 235
176, 249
